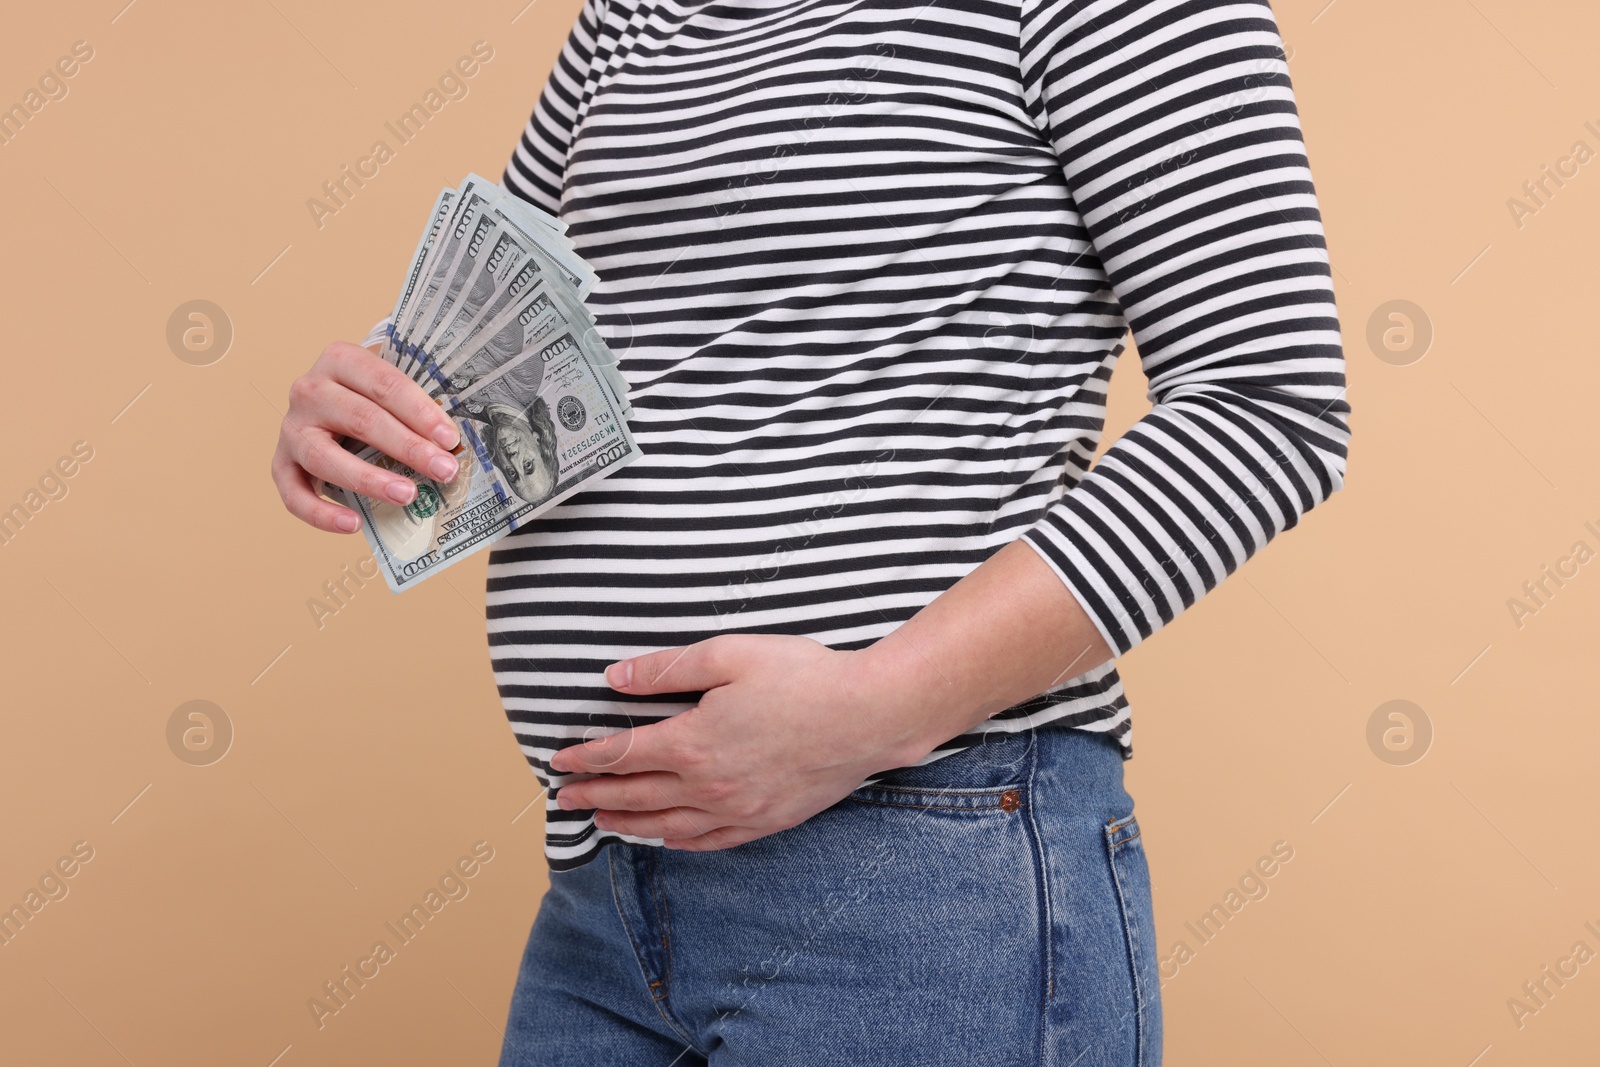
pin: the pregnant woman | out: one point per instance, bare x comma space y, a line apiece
823, 685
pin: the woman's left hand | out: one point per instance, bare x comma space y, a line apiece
785, 728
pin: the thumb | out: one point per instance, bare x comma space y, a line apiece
691, 669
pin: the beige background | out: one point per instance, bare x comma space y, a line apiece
370, 753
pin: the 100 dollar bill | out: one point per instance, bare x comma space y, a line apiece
524, 454
442, 209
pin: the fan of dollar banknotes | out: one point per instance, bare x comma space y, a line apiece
491, 323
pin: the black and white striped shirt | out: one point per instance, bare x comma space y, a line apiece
867, 265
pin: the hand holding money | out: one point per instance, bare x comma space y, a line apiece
348, 393
490, 332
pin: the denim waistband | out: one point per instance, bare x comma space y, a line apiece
1092, 762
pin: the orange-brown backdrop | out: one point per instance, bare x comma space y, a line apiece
1442, 849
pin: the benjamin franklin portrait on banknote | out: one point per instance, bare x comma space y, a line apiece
521, 441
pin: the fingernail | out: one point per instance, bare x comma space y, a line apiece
620, 675
445, 434
565, 802
347, 523
401, 492
443, 468
602, 822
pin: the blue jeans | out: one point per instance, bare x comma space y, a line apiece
988, 909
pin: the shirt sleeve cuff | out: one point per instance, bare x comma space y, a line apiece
1098, 601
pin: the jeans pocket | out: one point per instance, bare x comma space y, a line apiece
989, 776
1002, 801
1130, 872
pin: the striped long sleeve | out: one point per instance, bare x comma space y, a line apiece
1177, 130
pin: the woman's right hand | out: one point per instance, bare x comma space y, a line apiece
353, 392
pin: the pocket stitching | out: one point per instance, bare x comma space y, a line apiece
998, 804
1130, 927
1046, 905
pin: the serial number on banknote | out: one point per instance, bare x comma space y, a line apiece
589, 442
